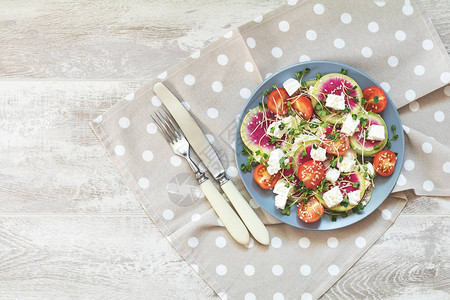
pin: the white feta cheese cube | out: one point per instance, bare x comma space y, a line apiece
274, 161
351, 154
336, 102
319, 154
376, 133
291, 86
282, 187
332, 175
280, 201
354, 197
347, 165
333, 197
349, 126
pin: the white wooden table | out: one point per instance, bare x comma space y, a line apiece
69, 226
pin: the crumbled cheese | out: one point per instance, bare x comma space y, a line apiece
258, 157
274, 161
354, 197
333, 197
376, 133
280, 201
349, 126
332, 175
336, 102
350, 154
370, 169
282, 187
347, 165
319, 154
291, 86
285, 123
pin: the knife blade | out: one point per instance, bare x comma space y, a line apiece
210, 159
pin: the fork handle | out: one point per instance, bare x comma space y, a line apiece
226, 214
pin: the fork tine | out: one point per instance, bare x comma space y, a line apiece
166, 126
171, 123
162, 129
174, 123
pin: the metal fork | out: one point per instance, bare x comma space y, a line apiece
180, 146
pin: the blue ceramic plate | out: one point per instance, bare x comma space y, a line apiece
383, 185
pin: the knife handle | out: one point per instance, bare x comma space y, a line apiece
226, 214
247, 214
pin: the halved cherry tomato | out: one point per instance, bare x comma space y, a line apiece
384, 162
339, 147
263, 178
312, 173
276, 101
310, 212
302, 106
369, 94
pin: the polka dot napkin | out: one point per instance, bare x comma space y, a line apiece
390, 41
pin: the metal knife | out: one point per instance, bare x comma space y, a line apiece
209, 157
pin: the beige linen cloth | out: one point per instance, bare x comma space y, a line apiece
389, 40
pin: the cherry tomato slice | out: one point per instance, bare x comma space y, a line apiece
369, 94
310, 212
384, 162
339, 147
312, 173
276, 101
263, 178
302, 106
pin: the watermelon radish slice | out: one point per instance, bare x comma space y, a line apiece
311, 83
345, 184
298, 159
254, 128
368, 147
334, 83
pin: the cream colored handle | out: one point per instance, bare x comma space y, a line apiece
226, 214
247, 214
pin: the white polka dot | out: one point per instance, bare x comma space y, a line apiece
386, 214
427, 44
276, 242
447, 90
228, 35
186, 105
306, 296
305, 270
446, 167
245, 93
249, 270
221, 242
339, 43
156, 101
147, 155
119, 150
249, 67
366, 52
406, 129
249, 296
130, 96
346, 18
409, 165
193, 242
439, 116
268, 75
332, 242
400, 35
360, 242
278, 296
428, 185
427, 147
292, 2
311, 35
195, 267
419, 70
219, 222
401, 180
212, 113
304, 242
251, 243
151, 128
277, 52
386, 86
232, 171
319, 9
393, 61
168, 214
373, 27
98, 119
251, 42
253, 203
410, 95
189, 79
283, 26
195, 55
221, 270
163, 75
124, 122
414, 106
143, 182
217, 86
333, 270
210, 138
175, 161
196, 217
258, 19
304, 58
380, 3
277, 270
445, 77
222, 60
407, 9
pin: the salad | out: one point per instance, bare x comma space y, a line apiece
318, 144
